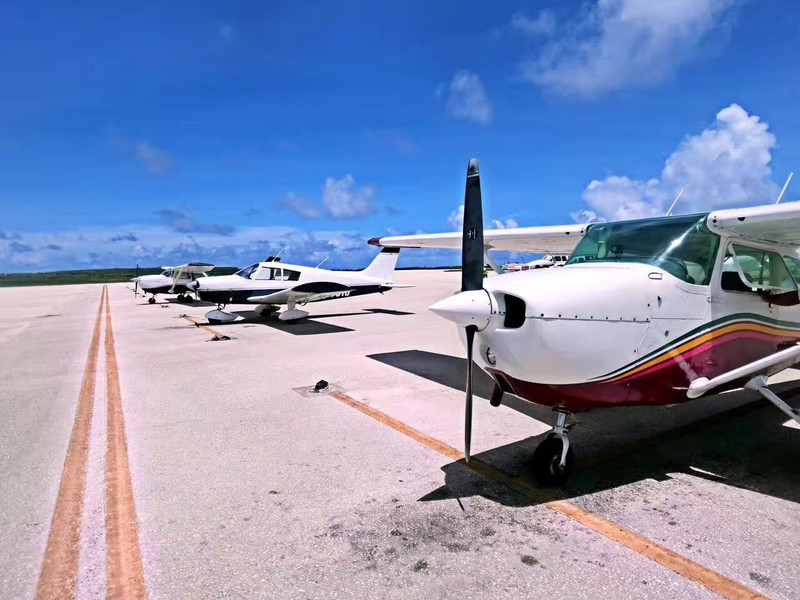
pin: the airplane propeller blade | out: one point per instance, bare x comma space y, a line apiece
472, 242
470, 329
471, 276
136, 282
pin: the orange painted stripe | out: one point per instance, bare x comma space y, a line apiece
717, 583
59, 574
124, 571
687, 346
213, 332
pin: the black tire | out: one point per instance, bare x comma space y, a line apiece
151, 300
546, 460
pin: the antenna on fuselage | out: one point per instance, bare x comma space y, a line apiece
320, 264
674, 202
785, 185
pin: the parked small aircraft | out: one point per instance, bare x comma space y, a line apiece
171, 281
272, 283
646, 312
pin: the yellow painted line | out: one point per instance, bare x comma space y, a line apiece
59, 573
213, 332
725, 587
124, 572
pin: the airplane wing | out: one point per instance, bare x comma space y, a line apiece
550, 239
305, 292
192, 268
776, 223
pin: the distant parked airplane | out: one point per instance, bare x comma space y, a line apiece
272, 283
172, 280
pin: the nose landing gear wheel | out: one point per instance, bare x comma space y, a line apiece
546, 462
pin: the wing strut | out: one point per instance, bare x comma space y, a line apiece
759, 384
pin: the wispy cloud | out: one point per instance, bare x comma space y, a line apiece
725, 165
466, 98
544, 24
301, 206
20, 247
391, 139
183, 220
226, 32
128, 237
341, 199
154, 160
613, 44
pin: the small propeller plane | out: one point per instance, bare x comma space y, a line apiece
646, 312
171, 280
272, 283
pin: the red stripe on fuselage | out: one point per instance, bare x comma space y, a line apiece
662, 384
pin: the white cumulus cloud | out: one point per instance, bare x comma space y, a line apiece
612, 44
343, 200
725, 165
466, 98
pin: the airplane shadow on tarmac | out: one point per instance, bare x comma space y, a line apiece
735, 438
308, 326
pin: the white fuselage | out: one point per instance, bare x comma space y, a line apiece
610, 333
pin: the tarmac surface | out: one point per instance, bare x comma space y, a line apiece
242, 484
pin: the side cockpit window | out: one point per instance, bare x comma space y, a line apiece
747, 269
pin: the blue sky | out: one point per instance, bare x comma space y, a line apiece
165, 132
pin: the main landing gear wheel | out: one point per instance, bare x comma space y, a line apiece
546, 462
151, 300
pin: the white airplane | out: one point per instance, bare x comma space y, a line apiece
549, 260
272, 283
172, 280
647, 312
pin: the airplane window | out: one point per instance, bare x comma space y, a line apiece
247, 271
682, 246
793, 264
289, 275
762, 268
265, 273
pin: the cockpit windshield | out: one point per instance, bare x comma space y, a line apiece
682, 246
247, 271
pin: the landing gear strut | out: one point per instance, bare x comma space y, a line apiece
553, 458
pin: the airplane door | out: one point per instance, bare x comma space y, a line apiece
744, 327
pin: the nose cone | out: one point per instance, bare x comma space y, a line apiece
135, 279
466, 308
193, 285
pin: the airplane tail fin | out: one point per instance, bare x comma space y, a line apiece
382, 266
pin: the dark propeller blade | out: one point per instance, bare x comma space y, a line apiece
472, 242
136, 283
471, 329
471, 275
497, 395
